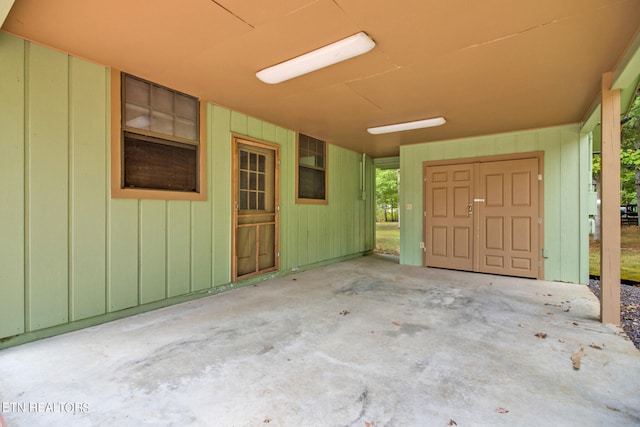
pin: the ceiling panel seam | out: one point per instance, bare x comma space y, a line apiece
232, 14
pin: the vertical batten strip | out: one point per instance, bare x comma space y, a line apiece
49, 170
71, 141
12, 186
107, 190
139, 252
167, 249
27, 187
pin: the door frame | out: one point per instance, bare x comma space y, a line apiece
539, 155
238, 139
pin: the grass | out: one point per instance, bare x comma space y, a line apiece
629, 254
388, 242
388, 238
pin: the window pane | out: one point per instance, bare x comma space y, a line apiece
244, 160
252, 181
149, 164
303, 152
303, 148
253, 165
307, 161
136, 91
186, 107
310, 183
261, 163
162, 123
244, 180
261, 182
161, 100
320, 160
244, 203
261, 201
159, 159
137, 117
311, 151
311, 168
252, 201
186, 129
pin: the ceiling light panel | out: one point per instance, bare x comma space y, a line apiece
339, 51
399, 127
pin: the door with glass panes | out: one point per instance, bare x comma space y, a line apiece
255, 213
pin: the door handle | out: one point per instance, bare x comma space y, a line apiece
470, 207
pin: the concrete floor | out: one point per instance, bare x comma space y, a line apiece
365, 342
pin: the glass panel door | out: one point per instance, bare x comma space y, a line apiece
256, 215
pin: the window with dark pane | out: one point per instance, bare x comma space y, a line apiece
311, 168
160, 137
252, 180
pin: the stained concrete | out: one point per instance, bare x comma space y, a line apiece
365, 342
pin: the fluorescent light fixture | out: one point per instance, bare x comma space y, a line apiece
399, 127
339, 51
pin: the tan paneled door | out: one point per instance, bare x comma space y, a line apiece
484, 216
256, 210
508, 218
449, 220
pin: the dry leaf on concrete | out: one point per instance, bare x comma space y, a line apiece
344, 312
452, 422
502, 411
541, 335
597, 347
577, 356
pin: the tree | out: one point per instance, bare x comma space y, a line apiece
387, 192
630, 155
629, 161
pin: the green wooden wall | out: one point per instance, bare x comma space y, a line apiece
71, 256
566, 185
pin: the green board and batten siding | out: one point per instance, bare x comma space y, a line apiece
72, 256
566, 186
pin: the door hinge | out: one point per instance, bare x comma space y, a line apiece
539, 220
540, 177
278, 254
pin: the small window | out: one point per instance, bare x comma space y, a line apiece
312, 170
160, 137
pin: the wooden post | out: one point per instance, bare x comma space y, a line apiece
610, 204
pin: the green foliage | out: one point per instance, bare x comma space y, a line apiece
596, 165
388, 238
629, 254
387, 192
629, 155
